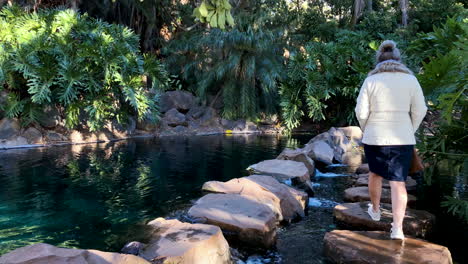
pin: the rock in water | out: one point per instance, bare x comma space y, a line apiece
283, 170
354, 215
180, 100
321, 151
174, 118
240, 217
246, 187
184, 243
48, 254
363, 180
289, 201
300, 156
9, 128
363, 169
361, 194
375, 247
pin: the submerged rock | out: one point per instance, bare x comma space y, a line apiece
241, 218
354, 215
283, 170
48, 254
176, 242
375, 247
361, 194
288, 202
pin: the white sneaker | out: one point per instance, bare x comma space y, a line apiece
397, 233
375, 216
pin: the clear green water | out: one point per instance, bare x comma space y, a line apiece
100, 196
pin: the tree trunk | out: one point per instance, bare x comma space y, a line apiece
404, 12
358, 6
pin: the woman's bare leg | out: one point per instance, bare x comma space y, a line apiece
399, 200
375, 190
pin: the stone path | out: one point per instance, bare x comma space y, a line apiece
354, 216
361, 194
375, 247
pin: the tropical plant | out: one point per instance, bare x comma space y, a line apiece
91, 69
242, 66
215, 12
324, 73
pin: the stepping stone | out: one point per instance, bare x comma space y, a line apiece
376, 247
44, 253
363, 180
173, 241
283, 170
298, 155
287, 202
361, 194
363, 169
354, 215
241, 218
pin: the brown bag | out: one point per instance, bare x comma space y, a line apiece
416, 163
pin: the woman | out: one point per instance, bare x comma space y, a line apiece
390, 107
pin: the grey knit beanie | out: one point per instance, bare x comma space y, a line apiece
388, 51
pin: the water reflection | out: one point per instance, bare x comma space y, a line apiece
99, 195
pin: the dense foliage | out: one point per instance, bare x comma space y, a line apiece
89, 68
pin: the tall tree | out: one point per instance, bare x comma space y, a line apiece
404, 12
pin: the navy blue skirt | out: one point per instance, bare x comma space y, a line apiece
390, 162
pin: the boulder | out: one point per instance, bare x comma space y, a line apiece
341, 144
228, 124
321, 151
50, 117
181, 100
123, 130
353, 133
33, 136
354, 215
325, 136
54, 137
282, 170
363, 169
353, 158
240, 217
174, 118
13, 142
363, 180
373, 247
288, 201
48, 254
361, 194
300, 156
244, 186
173, 241
293, 202
9, 128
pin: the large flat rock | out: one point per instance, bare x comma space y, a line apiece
176, 242
283, 170
361, 194
48, 254
363, 180
242, 218
375, 247
298, 155
287, 202
246, 187
354, 216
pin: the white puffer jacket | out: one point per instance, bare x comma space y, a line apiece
390, 106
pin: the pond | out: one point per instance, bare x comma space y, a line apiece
99, 196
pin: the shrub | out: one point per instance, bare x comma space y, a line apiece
91, 69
